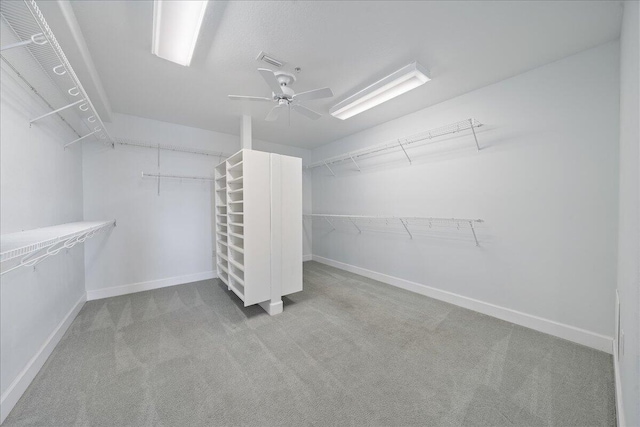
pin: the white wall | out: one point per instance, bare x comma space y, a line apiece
629, 231
545, 182
40, 185
157, 238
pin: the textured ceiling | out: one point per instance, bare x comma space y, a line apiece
344, 45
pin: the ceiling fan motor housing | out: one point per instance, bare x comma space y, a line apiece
285, 79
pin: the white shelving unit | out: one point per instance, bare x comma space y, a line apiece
259, 227
31, 50
33, 246
220, 211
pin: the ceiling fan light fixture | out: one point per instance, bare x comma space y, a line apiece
405, 79
176, 26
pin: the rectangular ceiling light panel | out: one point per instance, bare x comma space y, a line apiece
403, 80
176, 25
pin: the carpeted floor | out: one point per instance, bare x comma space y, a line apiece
346, 351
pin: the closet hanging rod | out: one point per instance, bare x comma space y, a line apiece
423, 218
134, 143
159, 175
401, 144
405, 221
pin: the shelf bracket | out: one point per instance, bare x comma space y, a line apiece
39, 39
355, 225
329, 221
474, 135
354, 162
473, 230
56, 111
406, 228
332, 173
80, 139
158, 169
405, 151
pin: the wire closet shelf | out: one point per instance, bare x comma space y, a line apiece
34, 54
164, 147
29, 245
414, 140
162, 175
406, 221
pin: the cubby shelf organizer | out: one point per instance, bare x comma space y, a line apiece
405, 221
414, 140
31, 50
29, 245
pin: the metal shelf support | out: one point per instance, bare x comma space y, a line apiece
355, 225
354, 162
55, 111
475, 138
406, 228
80, 139
35, 39
332, 173
405, 151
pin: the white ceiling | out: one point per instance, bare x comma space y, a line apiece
344, 45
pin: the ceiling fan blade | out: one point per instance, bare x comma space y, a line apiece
325, 92
249, 98
306, 112
274, 113
271, 80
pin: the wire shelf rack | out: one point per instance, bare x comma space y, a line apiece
161, 175
31, 50
164, 147
403, 144
407, 222
29, 245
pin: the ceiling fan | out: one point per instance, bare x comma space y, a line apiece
285, 97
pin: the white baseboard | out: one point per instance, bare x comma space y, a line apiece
147, 286
307, 257
561, 330
619, 402
19, 385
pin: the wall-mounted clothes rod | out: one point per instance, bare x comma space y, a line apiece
401, 144
29, 245
405, 221
160, 175
60, 89
134, 143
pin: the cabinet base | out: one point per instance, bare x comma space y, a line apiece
272, 307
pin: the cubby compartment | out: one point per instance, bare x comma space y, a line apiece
236, 240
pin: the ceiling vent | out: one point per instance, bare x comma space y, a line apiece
269, 60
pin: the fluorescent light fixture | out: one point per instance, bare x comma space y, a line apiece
403, 80
176, 25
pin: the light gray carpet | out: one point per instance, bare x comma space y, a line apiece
346, 351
